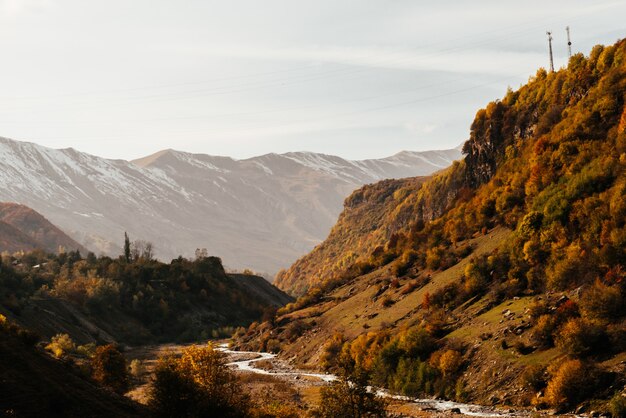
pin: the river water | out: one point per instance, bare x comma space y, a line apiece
252, 357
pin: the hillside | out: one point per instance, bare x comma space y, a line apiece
23, 229
280, 206
356, 233
12, 239
500, 280
134, 301
33, 385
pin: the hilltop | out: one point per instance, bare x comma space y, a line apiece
499, 280
23, 229
130, 301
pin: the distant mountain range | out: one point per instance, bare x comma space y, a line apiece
23, 229
262, 213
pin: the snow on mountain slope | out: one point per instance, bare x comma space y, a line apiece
263, 212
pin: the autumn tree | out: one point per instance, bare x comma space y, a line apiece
60, 345
572, 381
347, 398
198, 384
109, 368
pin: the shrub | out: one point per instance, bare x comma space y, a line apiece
411, 286
580, 337
603, 302
348, 399
542, 331
60, 345
387, 301
417, 343
617, 406
86, 350
109, 368
534, 377
273, 346
571, 382
136, 368
331, 351
295, 329
450, 362
402, 265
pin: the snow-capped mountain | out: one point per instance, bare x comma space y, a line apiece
263, 212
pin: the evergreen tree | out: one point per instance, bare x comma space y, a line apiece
126, 247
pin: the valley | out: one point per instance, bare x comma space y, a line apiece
484, 281
260, 369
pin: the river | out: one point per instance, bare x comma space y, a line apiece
439, 405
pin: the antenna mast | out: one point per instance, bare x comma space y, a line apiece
569, 43
550, 45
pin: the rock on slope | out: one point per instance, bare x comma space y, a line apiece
262, 212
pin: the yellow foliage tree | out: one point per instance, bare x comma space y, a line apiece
569, 384
450, 362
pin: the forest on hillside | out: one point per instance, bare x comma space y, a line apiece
133, 299
546, 162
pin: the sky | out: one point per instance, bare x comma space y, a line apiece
355, 78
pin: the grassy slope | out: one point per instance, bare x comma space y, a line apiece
351, 309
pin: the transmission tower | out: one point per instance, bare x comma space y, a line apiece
569, 43
550, 45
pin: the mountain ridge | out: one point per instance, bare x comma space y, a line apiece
279, 205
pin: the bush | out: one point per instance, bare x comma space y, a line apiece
60, 345
417, 343
542, 331
86, 350
534, 377
570, 384
402, 265
580, 337
617, 406
603, 302
136, 368
387, 301
109, 368
329, 359
349, 399
450, 362
273, 346
295, 329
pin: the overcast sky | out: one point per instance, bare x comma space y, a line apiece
356, 78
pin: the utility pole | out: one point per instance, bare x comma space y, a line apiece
569, 43
550, 45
